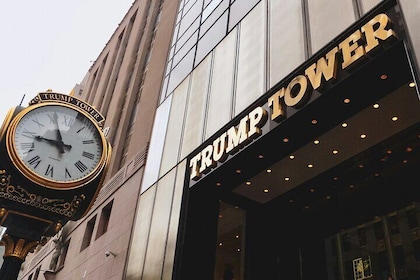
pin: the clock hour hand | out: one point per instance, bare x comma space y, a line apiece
59, 144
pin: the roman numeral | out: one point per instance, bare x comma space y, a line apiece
68, 121
80, 129
34, 161
88, 155
67, 174
49, 171
82, 168
38, 123
51, 117
28, 133
27, 146
88, 141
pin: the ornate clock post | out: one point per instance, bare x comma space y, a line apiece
53, 159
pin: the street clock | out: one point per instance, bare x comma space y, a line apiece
54, 157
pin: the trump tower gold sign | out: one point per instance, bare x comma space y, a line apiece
296, 93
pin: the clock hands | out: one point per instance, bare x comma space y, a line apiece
58, 143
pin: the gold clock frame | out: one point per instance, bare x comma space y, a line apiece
7, 119
53, 184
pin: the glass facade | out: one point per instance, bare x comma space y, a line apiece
284, 206
311, 199
200, 26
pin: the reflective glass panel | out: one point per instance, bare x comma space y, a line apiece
221, 89
194, 122
250, 76
211, 38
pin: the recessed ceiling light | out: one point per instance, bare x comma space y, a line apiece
285, 140
268, 170
310, 165
291, 156
346, 100
291, 201
412, 84
351, 186
408, 149
376, 174
266, 190
238, 171
220, 243
389, 152
344, 124
363, 136
328, 197
314, 121
237, 236
220, 216
306, 207
384, 77
335, 178
260, 156
361, 166
376, 105
248, 183
394, 118
316, 142
405, 161
335, 152
312, 190
218, 184
286, 178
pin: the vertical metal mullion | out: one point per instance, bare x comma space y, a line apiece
235, 72
306, 29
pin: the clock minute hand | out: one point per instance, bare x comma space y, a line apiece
59, 137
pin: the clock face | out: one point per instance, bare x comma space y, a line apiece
57, 144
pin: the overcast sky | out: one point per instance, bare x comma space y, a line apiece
51, 44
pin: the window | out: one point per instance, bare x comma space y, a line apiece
104, 221
37, 273
63, 255
88, 233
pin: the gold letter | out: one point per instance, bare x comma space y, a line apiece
372, 34
237, 136
350, 49
257, 118
276, 105
206, 158
325, 66
195, 174
219, 145
297, 99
